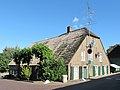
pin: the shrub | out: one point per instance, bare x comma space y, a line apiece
26, 72
52, 70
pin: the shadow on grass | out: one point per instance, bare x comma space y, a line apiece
105, 83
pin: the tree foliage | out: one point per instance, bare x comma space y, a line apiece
8, 53
3, 66
42, 52
6, 57
26, 72
17, 59
26, 55
52, 69
22, 56
48, 67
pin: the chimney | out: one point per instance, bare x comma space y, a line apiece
69, 29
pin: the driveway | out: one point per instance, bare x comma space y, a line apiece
106, 83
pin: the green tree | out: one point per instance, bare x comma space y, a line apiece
6, 57
26, 55
52, 70
3, 63
48, 68
8, 53
42, 52
17, 59
61, 68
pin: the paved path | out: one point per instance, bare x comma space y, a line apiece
107, 83
19, 85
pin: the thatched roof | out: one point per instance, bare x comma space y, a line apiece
111, 48
66, 45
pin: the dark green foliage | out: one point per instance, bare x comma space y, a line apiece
17, 59
22, 56
62, 70
42, 52
8, 53
3, 66
26, 55
6, 57
52, 70
48, 68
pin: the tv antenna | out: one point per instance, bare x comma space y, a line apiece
90, 14
89, 17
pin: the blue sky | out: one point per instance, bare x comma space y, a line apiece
23, 22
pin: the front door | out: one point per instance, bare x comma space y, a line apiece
76, 73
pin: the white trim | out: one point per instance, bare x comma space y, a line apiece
76, 72
100, 57
114, 65
96, 70
83, 56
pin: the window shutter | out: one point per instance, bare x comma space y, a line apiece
93, 70
71, 73
107, 69
80, 72
99, 70
103, 72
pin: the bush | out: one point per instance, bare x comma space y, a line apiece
26, 72
52, 70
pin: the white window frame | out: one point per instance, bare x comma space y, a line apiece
83, 56
100, 57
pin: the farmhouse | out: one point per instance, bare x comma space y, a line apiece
82, 51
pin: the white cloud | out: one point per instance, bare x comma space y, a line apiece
75, 20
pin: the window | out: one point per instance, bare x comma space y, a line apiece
83, 56
90, 56
100, 57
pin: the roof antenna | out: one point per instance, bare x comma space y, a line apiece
89, 18
88, 26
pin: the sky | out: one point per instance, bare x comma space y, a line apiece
23, 22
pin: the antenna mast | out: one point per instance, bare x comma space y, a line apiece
88, 25
89, 18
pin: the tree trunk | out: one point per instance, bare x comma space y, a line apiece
18, 70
